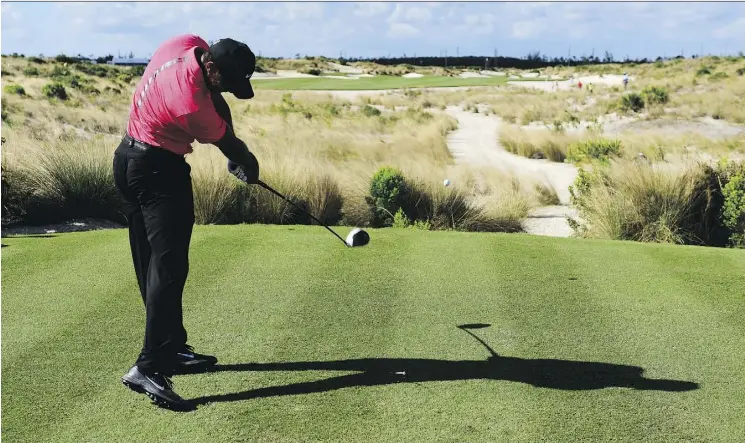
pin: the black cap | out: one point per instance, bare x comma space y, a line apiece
236, 63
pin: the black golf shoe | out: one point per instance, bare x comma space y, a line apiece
156, 386
188, 361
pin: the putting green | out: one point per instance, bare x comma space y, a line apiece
327, 343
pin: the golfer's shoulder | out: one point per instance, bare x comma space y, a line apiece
183, 42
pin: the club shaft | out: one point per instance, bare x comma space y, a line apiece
481, 341
270, 189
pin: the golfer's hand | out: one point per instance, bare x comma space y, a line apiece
250, 177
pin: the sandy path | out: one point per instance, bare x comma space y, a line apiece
476, 142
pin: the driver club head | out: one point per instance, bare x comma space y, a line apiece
357, 237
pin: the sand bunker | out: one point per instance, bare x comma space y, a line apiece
412, 75
345, 69
343, 77
472, 75
609, 80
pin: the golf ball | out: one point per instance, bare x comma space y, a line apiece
446, 182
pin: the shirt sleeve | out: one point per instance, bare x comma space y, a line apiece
205, 125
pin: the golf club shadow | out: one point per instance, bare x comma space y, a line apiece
541, 373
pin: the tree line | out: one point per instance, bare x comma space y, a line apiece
534, 60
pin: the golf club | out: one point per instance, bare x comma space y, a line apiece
357, 237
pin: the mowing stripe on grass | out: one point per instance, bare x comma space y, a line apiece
345, 313
268, 296
240, 325
636, 307
35, 302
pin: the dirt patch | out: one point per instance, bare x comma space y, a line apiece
476, 142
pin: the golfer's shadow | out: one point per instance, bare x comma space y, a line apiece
543, 373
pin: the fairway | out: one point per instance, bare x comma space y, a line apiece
373, 83
595, 340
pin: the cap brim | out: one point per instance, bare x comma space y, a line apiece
243, 90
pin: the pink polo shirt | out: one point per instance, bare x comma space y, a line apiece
171, 106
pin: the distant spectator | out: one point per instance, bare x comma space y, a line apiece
625, 80
589, 87
579, 84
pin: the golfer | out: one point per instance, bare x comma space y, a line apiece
178, 100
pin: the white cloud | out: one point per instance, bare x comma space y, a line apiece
303, 10
733, 29
526, 29
406, 14
369, 9
9, 11
400, 30
478, 24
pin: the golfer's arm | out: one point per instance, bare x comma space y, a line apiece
231, 146
222, 108
236, 150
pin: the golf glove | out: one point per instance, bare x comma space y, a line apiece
240, 173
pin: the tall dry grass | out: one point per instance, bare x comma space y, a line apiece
655, 144
649, 203
318, 150
536, 143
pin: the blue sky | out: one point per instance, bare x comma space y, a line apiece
377, 29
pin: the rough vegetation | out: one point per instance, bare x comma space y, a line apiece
380, 161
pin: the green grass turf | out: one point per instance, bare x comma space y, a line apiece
373, 83
317, 330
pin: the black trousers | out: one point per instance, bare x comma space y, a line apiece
156, 185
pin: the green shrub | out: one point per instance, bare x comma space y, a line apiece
719, 76
14, 89
654, 95
595, 149
62, 58
310, 71
137, 71
370, 111
90, 69
388, 192
30, 71
740, 71
703, 71
54, 90
733, 208
59, 71
37, 60
631, 102
124, 78
400, 220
